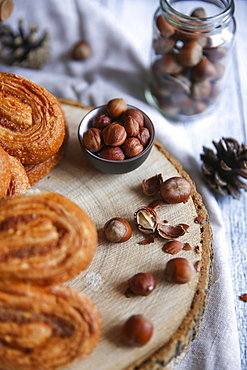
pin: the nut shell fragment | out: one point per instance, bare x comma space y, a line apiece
146, 219
173, 247
168, 231
151, 185
158, 203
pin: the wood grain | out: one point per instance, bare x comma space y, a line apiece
175, 310
229, 120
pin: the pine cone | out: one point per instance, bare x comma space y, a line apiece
222, 170
24, 48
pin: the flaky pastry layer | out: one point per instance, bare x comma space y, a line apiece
45, 239
32, 124
45, 328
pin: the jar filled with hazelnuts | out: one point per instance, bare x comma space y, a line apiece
191, 48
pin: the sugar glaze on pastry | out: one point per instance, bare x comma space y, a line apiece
32, 123
45, 239
45, 328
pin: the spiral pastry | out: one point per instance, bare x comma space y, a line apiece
36, 172
44, 239
19, 182
45, 328
32, 124
5, 173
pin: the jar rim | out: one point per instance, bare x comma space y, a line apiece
217, 20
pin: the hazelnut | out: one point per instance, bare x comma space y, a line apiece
199, 106
137, 331
92, 139
182, 101
116, 107
143, 136
199, 13
169, 64
179, 271
112, 153
190, 54
175, 190
81, 51
6, 8
101, 121
131, 126
204, 69
215, 53
142, 284
164, 27
220, 70
201, 90
179, 83
114, 134
136, 115
163, 45
117, 230
132, 147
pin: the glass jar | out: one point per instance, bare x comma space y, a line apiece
191, 46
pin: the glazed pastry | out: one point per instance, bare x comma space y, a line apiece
45, 328
44, 239
19, 182
36, 172
5, 174
32, 123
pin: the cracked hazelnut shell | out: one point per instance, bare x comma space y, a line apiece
151, 185
146, 219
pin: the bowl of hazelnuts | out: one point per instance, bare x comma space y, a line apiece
116, 138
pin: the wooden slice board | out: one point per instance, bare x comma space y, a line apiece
175, 310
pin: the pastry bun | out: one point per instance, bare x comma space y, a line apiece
36, 172
45, 328
45, 239
14, 179
32, 124
5, 173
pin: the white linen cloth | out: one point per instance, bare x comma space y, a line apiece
116, 69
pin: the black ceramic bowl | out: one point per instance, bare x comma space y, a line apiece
110, 166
